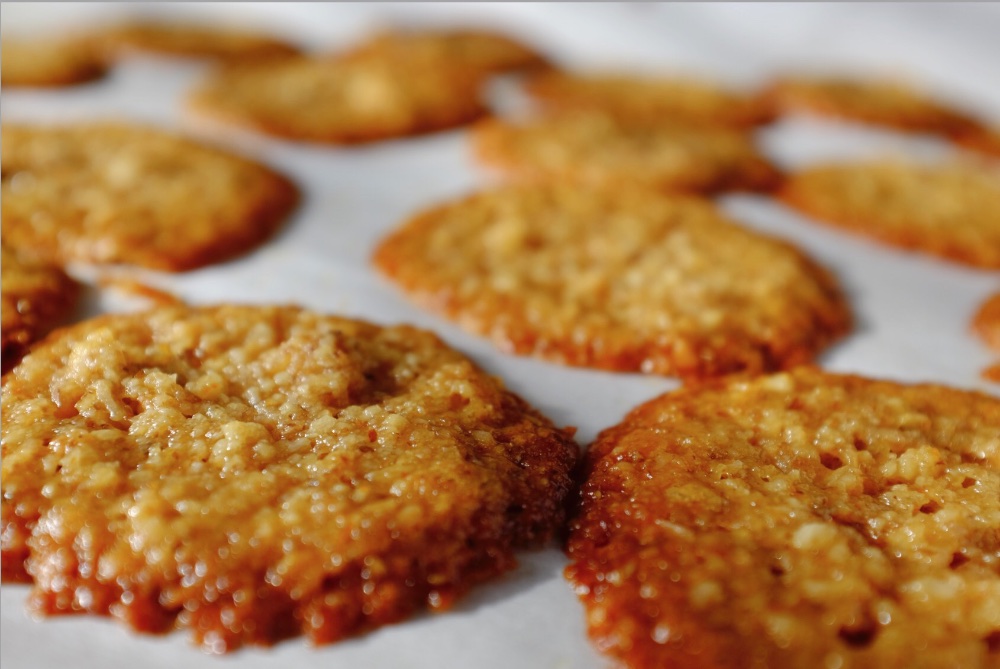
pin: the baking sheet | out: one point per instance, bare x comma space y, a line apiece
912, 311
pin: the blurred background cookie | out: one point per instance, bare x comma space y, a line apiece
120, 193
619, 278
213, 41
949, 210
48, 61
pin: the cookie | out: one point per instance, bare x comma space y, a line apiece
648, 98
191, 40
984, 140
951, 211
986, 322
117, 193
48, 62
481, 51
622, 279
879, 102
596, 149
250, 473
341, 101
36, 296
802, 519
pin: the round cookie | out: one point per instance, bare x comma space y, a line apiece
598, 150
886, 103
481, 51
36, 296
117, 193
802, 519
190, 40
48, 62
626, 279
647, 98
952, 211
342, 101
252, 473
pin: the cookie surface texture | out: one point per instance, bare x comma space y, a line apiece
801, 519
952, 211
36, 296
648, 98
48, 62
626, 279
597, 149
479, 50
252, 473
341, 101
190, 40
886, 103
116, 193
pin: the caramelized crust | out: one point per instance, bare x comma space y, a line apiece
249, 473
117, 193
952, 211
623, 279
797, 520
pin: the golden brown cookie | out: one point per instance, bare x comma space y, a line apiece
341, 101
624, 279
36, 296
984, 140
647, 98
48, 62
117, 193
251, 473
879, 102
482, 51
596, 149
952, 211
190, 40
802, 519
986, 322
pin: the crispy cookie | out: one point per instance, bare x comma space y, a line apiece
36, 296
48, 62
623, 279
482, 51
342, 101
952, 211
887, 103
802, 519
251, 473
647, 98
116, 193
190, 40
597, 149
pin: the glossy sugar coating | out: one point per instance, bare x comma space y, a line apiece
802, 519
251, 473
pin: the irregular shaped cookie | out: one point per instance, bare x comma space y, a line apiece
597, 149
984, 140
341, 101
117, 193
482, 51
48, 62
623, 279
879, 102
952, 211
190, 40
986, 324
251, 473
35, 297
647, 98
802, 519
